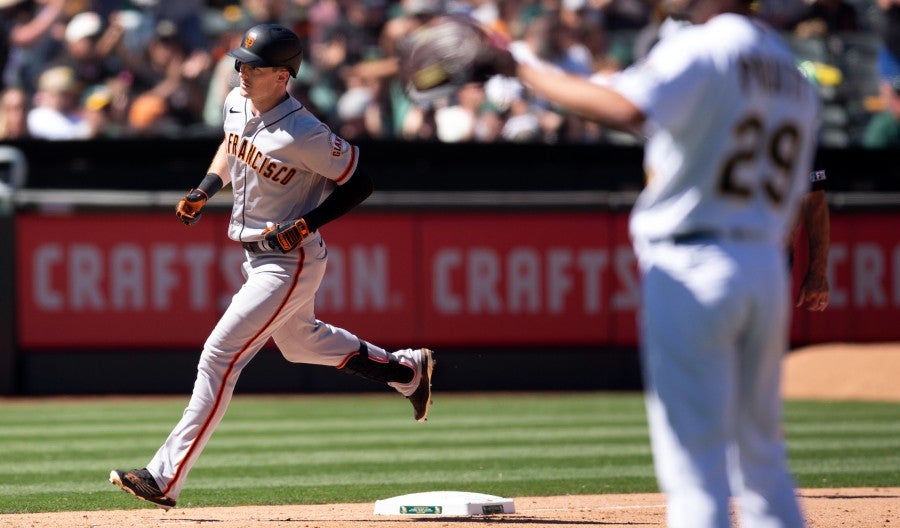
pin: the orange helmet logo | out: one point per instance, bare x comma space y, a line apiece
248, 42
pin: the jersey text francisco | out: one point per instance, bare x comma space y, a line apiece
244, 150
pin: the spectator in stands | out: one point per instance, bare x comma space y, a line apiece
357, 114
7, 22
565, 50
418, 124
489, 125
521, 123
223, 77
168, 71
889, 48
401, 118
781, 14
413, 13
458, 121
362, 110
186, 16
32, 28
661, 25
14, 108
512, 17
98, 111
249, 13
148, 115
362, 22
624, 14
328, 58
57, 112
883, 129
159, 47
92, 61
822, 17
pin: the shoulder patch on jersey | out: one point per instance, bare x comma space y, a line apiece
339, 146
817, 176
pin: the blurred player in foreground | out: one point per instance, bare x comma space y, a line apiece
731, 129
730, 126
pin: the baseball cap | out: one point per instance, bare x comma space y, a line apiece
83, 25
58, 79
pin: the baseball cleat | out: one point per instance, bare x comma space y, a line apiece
141, 484
421, 398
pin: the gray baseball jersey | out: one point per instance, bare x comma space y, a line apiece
282, 164
286, 155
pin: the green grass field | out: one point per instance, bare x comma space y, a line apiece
56, 455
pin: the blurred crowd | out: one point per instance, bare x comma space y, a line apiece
83, 69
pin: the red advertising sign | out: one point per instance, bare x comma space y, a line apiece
524, 278
864, 280
112, 280
406, 279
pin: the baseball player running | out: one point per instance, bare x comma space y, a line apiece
290, 175
731, 127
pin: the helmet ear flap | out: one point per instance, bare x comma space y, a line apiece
237, 66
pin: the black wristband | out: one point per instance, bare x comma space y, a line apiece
211, 184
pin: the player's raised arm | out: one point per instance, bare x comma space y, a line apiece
583, 97
454, 50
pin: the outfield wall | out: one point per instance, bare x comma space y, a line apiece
531, 287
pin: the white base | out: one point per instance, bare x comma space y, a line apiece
444, 503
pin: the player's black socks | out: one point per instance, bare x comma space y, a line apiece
364, 366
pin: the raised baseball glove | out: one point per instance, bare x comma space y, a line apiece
447, 53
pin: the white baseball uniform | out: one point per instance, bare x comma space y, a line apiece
731, 135
282, 164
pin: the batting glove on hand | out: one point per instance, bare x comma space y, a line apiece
188, 209
286, 238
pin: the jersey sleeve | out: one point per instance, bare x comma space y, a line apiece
330, 155
666, 84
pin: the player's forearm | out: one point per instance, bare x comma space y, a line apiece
219, 165
582, 97
818, 230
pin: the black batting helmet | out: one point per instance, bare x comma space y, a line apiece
269, 45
